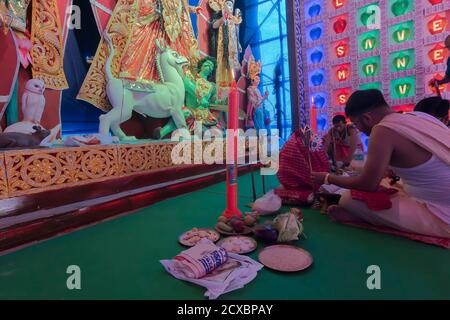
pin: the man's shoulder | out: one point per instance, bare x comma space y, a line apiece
383, 133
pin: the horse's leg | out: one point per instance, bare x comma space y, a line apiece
107, 119
178, 117
125, 115
160, 133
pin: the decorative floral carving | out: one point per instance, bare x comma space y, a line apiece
3, 181
40, 170
95, 164
32, 171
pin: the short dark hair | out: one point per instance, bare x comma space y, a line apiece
363, 101
435, 106
339, 118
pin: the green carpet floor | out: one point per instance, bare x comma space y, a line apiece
119, 259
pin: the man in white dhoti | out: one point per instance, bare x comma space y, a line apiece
417, 147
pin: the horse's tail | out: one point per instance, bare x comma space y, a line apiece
114, 86
108, 72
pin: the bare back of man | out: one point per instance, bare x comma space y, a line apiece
404, 152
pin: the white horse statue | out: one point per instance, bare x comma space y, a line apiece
158, 101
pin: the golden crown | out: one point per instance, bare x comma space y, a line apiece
254, 68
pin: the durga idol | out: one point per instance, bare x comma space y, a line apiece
137, 24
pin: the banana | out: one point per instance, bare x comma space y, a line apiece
224, 227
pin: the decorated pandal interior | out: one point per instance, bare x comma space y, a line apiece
256, 149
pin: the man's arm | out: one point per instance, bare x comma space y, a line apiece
378, 158
327, 141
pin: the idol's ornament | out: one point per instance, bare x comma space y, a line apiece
13, 17
225, 44
13, 14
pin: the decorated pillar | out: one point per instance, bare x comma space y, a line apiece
296, 62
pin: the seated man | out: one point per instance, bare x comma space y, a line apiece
294, 171
435, 106
417, 147
343, 142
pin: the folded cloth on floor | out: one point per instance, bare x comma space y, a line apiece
268, 203
233, 274
200, 260
376, 201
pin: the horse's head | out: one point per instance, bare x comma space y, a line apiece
171, 57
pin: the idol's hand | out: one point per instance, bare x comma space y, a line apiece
318, 178
198, 10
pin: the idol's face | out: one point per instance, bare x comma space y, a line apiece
207, 68
256, 81
229, 5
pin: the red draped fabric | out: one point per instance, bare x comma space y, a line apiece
102, 12
8, 69
294, 172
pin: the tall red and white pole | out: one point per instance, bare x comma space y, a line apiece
232, 154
